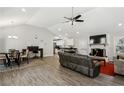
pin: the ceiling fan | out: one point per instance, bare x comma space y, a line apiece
73, 19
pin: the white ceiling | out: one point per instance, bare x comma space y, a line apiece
47, 17
96, 20
13, 16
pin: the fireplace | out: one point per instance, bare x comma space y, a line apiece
98, 52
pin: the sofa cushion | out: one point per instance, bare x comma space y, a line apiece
80, 63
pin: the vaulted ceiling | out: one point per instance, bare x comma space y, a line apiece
96, 20
14, 16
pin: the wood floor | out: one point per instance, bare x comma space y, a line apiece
48, 72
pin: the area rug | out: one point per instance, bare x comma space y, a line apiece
24, 65
108, 69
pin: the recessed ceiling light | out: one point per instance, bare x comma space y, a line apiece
120, 24
66, 34
59, 29
23, 10
77, 32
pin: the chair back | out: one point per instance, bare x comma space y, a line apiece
24, 51
27, 52
17, 56
12, 52
16, 53
7, 57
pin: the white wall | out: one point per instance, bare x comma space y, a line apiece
2, 41
26, 37
69, 42
116, 41
82, 45
65, 42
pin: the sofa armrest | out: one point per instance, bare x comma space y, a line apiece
116, 60
96, 64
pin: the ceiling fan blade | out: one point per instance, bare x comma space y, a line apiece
79, 20
78, 16
68, 18
66, 22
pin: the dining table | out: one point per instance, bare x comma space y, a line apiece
3, 58
4, 55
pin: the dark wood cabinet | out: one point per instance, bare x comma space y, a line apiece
41, 52
35, 50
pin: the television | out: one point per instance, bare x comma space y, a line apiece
98, 39
34, 49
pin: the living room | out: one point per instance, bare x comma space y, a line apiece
97, 34
80, 35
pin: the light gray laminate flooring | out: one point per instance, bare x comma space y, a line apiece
48, 72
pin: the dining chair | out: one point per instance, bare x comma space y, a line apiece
17, 57
13, 59
11, 52
3, 59
9, 62
25, 55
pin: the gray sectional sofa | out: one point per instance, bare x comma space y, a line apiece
79, 63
